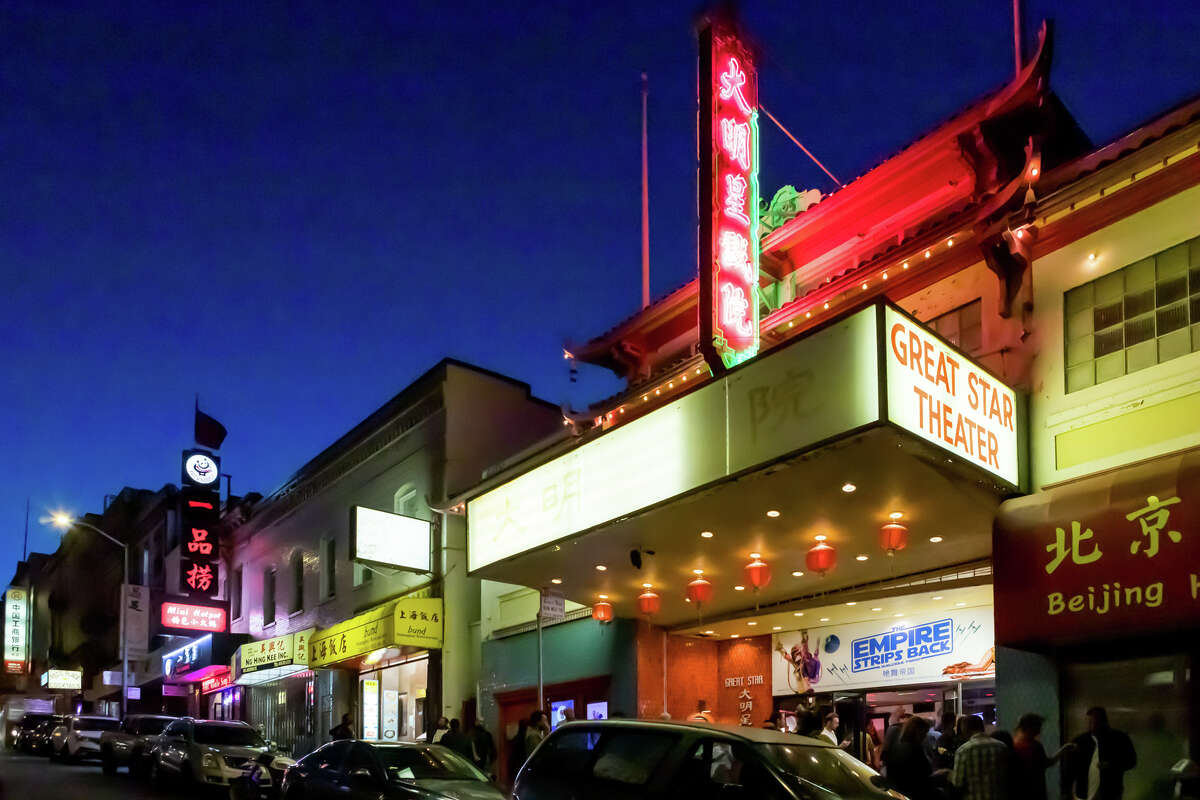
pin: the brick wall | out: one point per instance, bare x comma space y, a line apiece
746, 664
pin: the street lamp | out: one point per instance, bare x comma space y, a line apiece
65, 522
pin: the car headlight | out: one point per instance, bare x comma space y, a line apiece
209, 761
282, 763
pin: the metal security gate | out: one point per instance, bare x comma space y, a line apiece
284, 711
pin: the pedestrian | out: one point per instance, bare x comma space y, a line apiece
980, 763
1027, 775
947, 743
539, 727
808, 723
343, 731
892, 735
516, 749
483, 747
443, 727
908, 768
456, 740
774, 722
1101, 757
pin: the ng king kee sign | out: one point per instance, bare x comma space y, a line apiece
729, 197
902, 645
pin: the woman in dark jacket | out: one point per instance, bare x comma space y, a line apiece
908, 769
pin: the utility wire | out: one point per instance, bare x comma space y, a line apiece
796, 141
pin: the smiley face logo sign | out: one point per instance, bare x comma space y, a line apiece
201, 468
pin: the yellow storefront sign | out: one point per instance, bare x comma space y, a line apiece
415, 622
418, 622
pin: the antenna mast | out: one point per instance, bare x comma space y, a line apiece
645, 199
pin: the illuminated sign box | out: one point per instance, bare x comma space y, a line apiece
192, 656
281, 651
392, 540
193, 618
62, 679
813, 390
16, 616
216, 683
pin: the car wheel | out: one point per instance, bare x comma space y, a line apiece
154, 773
107, 763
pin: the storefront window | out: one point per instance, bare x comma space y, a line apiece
393, 701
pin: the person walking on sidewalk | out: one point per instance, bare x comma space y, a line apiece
1100, 760
980, 764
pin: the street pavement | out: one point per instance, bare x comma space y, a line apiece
36, 778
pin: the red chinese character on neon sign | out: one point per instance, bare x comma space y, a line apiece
200, 577
729, 273
199, 542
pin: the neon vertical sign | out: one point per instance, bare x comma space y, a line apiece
728, 141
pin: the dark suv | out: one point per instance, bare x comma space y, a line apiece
639, 760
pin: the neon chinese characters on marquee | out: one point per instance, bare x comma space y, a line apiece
729, 190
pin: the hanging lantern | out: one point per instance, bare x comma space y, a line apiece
758, 572
821, 558
700, 590
892, 537
649, 602
602, 611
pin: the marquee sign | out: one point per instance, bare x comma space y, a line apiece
216, 683
729, 247
193, 655
16, 615
193, 618
199, 516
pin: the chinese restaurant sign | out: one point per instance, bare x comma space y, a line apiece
357, 636
216, 683
16, 614
62, 679
282, 651
951, 646
729, 248
199, 515
1119, 551
193, 618
418, 622
935, 392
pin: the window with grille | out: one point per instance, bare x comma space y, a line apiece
235, 595
962, 327
297, 582
1141, 315
268, 602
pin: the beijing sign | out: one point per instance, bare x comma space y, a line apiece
729, 326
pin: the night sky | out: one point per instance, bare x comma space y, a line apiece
297, 208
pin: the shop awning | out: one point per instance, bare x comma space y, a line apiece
868, 417
1114, 552
410, 621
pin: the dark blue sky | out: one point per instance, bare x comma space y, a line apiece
296, 208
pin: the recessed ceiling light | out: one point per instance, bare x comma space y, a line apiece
556, 581
851, 602
697, 572
895, 515
733, 636
1091, 256
820, 537
777, 628
935, 539
751, 623
601, 568
647, 585
739, 588
797, 613
772, 513
960, 604
848, 487
756, 555
797, 574
937, 597
877, 608
709, 633
898, 615
603, 596
824, 619
861, 557
706, 534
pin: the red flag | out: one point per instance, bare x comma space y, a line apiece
209, 432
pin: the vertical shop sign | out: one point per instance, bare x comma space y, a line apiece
370, 705
137, 621
16, 615
391, 715
728, 188
199, 507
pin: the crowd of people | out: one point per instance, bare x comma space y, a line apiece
960, 760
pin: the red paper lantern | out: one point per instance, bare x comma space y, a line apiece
700, 590
758, 573
892, 537
649, 602
821, 558
602, 611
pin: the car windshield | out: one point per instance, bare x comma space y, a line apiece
33, 720
96, 724
239, 735
151, 725
827, 767
419, 763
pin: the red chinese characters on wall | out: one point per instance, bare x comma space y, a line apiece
729, 247
1114, 552
199, 548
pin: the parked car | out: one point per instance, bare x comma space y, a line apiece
360, 771
78, 736
643, 760
129, 744
261, 777
204, 752
39, 739
22, 737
